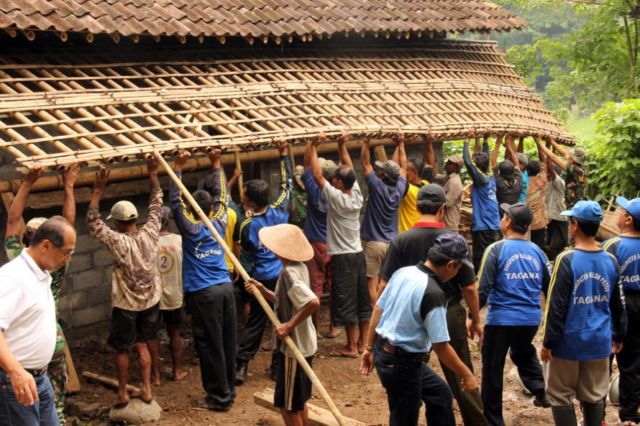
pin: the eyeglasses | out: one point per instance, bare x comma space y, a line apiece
66, 253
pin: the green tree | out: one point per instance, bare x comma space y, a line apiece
615, 152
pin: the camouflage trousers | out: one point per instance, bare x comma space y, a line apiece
57, 372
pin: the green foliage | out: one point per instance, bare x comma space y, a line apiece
615, 153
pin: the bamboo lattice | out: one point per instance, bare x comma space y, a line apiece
80, 105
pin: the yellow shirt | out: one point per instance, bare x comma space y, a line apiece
232, 218
408, 214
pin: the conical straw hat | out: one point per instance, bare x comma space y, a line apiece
287, 241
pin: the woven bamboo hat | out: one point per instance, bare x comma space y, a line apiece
287, 241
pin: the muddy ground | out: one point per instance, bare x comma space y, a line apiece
358, 397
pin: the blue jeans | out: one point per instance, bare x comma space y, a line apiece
409, 383
42, 413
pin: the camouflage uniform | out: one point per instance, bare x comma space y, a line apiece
298, 210
57, 368
575, 184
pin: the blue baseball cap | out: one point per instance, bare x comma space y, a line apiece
453, 246
587, 211
631, 206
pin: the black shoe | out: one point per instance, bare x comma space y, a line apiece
541, 400
241, 372
212, 405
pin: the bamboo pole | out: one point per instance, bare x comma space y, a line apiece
272, 316
236, 157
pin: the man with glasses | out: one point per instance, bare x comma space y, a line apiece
136, 288
14, 244
28, 325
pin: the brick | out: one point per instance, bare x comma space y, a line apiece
102, 258
87, 279
86, 244
79, 263
92, 315
98, 294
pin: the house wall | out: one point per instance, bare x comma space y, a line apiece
85, 303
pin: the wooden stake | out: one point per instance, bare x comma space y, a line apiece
73, 384
272, 316
108, 381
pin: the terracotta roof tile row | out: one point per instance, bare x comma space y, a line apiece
256, 18
70, 105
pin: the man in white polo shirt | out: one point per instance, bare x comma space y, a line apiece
28, 325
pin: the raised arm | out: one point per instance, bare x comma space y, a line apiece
96, 226
345, 158
154, 217
69, 177
402, 155
14, 215
306, 160
185, 222
561, 150
365, 157
553, 157
316, 170
541, 157
429, 153
520, 145
496, 151
286, 181
219, 190
511, 150
478, 177
231, 182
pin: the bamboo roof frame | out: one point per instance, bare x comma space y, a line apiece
111, 106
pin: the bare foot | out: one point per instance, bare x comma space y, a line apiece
123, 400
146, 395
155, 379
344, 352
179, 375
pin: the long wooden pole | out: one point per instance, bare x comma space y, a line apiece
236, 156
267, 309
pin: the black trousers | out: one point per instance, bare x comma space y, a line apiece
497, 342
213, 320
410, 382
557, 237
481, 240
469, 402
539, 238
629, 362
251, 336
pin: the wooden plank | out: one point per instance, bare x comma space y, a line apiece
73, 383
318, 416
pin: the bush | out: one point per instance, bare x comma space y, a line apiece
614, 153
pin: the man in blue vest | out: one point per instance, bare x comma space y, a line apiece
266, 265
513, 273
626, 248
208, 291
585, 320
485, 229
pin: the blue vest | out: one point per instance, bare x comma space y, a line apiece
587, 328
627, 251
203, 263
266, 266
485, 207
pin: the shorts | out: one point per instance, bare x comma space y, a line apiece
172, 316
131, 327
374, 253
293, 386
318, 267
350, 301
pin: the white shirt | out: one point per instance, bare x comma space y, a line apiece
27, 311
169, 263
343, 219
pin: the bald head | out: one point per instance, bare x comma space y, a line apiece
54, 230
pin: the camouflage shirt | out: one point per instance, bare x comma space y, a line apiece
298, 209
13, 247
575, 184
135, 284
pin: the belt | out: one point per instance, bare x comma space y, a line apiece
37, 371
398, 351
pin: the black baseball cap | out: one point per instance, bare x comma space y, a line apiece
433, 193
452, 246
519, 213
506, 168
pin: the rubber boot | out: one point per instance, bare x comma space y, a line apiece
593, 414
564, 415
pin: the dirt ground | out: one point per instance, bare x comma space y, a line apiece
358, 397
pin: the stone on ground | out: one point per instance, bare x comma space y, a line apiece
136, 412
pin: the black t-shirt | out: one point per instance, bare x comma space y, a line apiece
508, 191
411, 247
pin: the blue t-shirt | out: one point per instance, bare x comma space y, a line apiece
584, 306
627, 251
203, 263
266, 266
380, 221
484, 202
315, 227
512, 275
525, 186
414, 313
